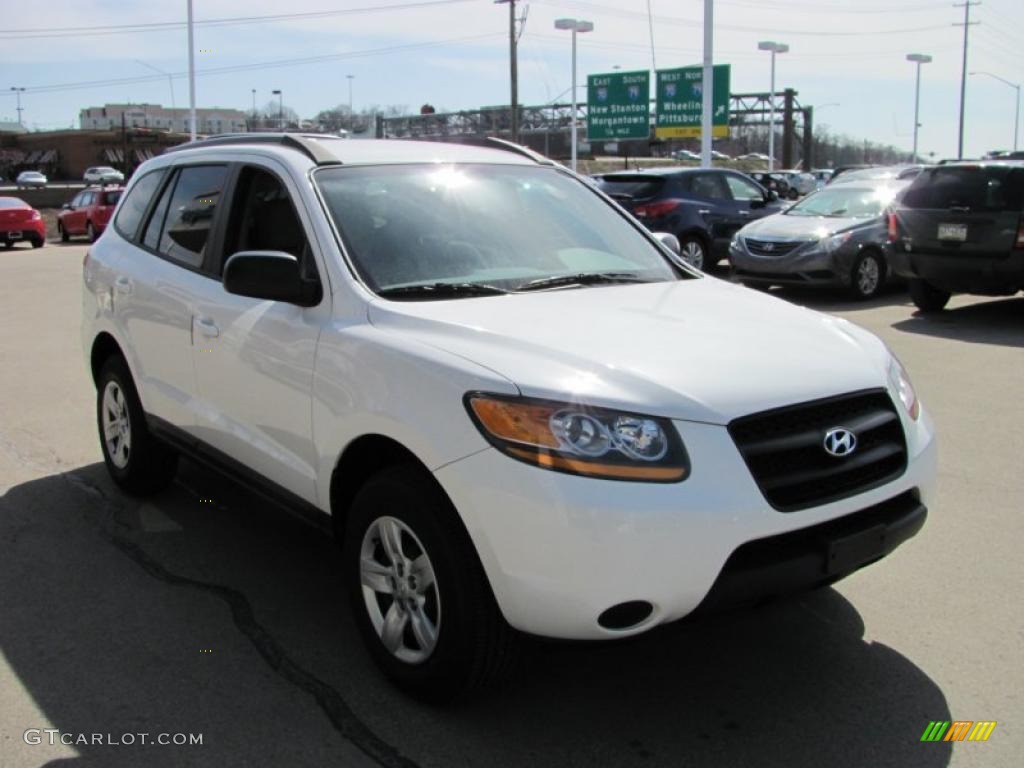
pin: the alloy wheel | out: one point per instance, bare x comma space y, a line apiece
117, 427
868, 275
400, 590
693, 252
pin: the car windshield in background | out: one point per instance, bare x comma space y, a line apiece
846, 201
485, 229
631, 187
973, 187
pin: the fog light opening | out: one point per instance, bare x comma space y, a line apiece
626, 615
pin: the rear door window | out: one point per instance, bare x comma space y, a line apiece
129, 216
976, 188
190, 214
631, 187
709, 186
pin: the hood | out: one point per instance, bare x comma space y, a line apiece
782, 227
698, 350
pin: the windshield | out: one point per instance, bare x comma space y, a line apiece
501, 226
845, 201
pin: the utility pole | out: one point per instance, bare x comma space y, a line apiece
17, 94
513, 67
191, 77
967, 24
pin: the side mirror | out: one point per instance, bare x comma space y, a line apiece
67, 207
772, 195
670, 241
273, 275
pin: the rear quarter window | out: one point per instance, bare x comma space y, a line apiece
977, 188
130, 214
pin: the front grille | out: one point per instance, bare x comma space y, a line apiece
771, 247
784, 449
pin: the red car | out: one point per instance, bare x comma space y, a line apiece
88, 213
19, 221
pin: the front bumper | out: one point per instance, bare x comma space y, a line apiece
559, 550
802, 266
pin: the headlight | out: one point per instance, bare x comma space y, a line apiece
835, 242
574, 438
900, 380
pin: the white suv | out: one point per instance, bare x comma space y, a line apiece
103, 174
522, 411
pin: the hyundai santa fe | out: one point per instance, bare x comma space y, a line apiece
523, 413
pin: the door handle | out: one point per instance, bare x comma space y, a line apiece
207, 327
743, 213
123, 285
704, 211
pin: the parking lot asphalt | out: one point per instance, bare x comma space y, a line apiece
208, 611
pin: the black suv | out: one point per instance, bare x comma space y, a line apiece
703, 207
959, 228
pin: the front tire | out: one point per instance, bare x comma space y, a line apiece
867, 275
418, 591
64, 236
136, 460
927, 297
90, 231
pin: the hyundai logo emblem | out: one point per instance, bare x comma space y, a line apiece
769, 247
840, 442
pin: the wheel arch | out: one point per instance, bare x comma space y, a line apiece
103, 347
359, 461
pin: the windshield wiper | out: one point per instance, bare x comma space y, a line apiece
583, 278
440, 291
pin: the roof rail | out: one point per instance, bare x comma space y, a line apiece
493, 142
309, 145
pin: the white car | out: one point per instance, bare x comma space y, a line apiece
30, 180
522, 411
103, 174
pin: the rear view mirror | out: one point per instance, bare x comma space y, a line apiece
670, 241
273, 275
66, 206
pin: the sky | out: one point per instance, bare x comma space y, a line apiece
846, 58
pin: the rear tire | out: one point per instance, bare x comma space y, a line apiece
694, 252
136, 460
430, 622
927, 297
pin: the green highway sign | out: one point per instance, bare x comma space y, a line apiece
680, 102
619, 106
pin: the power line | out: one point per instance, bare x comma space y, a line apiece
173, 26
832, 9
686, 22
57, 87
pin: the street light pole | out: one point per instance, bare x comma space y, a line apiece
17, 95
707, 87
191, 77
280, 109
773, 48
254, 109
1017, 112
575, 25
170, 78
350, 79
919, 59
